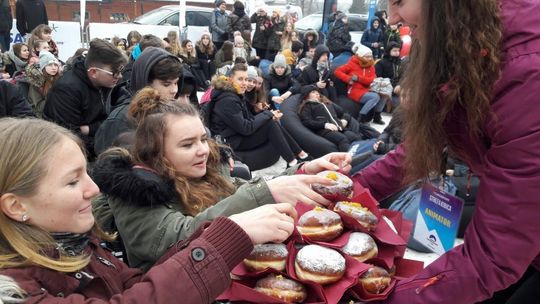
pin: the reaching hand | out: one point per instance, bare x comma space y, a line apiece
268, 223
295, 188
331, 127
344, 123
337, 161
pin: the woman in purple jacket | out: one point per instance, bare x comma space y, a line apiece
49, 241
472, 85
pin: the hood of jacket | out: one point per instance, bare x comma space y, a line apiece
19, 63
272, 71
222, 85
187, 77
143, 65
319, 51
117, 178
35, 75
371, 28
313, 33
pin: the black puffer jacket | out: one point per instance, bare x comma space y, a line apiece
6, 18
12, 103
283, 83
238, 21
230, 115
389, 67
260, 39
274, 40
338, 37
315, 115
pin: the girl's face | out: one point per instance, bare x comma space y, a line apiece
25, 54
251, 84
46, 36
205, 40
239, 44
314, 95
189, 46
186, 145
294, 36
279, 70
43, 46
406, 12
259, 82
51, 69
62, 202
288, 27
239, 78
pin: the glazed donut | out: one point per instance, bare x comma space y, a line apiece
375, 280
278, 287
267, 256
361, 246
361, 214
320, 224
343, 186
319, 264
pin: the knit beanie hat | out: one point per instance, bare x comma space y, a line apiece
340, 16
46, 58
252, 72
219, 2
280, 61
238, 6
361, 50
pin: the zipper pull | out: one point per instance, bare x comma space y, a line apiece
429, 282
106, 262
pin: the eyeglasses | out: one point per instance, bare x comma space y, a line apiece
116, 74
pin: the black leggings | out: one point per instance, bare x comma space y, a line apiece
295, 147
272, 132
341, 139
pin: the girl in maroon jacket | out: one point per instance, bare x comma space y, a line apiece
472, 85
49, 241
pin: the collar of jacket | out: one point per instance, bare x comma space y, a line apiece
117, 177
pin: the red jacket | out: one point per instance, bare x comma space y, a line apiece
503, 238
195, 271
365, 77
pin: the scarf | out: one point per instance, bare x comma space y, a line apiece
19, 63
72, 244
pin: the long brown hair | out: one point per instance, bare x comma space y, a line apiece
195, 195
210, 49
455, 65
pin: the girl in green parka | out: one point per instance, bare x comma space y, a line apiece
162, 190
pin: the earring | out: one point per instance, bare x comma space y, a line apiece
25, 217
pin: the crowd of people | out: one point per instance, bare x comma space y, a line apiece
114, 148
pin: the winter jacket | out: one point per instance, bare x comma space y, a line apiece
283, 83
315, 114
290, 57
373, 35
6, 18
220, 59
274, 40
73, 101
238, 21
389, 67
12, 63
392, 134
147, 212
12, 103
313, 44
231, 117
365, 77
205, 56
196, 271
37, 80
391, 36
313, 74
338, 37
502, 239
260, 39
218, 26
117, 121
30, 14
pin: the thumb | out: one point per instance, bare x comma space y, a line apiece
314, 179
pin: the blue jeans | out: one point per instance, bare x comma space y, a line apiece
5, 40
274, 93
371, 101
362, 146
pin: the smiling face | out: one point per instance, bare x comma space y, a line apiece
186, 145
25, 53
239, 78
406, 12
62, 202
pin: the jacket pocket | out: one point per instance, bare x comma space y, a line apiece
420, 285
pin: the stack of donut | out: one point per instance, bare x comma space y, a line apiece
316, 263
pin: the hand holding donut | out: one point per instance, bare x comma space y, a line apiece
294, 188
268, 223
332, 161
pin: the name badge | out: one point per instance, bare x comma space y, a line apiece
438, 219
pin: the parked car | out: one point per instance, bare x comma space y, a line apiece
170, 15
357, 24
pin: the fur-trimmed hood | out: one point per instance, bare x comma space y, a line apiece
221, 85
117, 178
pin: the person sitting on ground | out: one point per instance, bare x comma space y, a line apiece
51, 243
80, 100
280, 82
326, 119
171, 182
12, 103
359, 73
225, 57
390, 66
318, 73
42, 77
16, 59
206, 53
293, 53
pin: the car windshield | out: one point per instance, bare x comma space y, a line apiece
309, 22
153, 17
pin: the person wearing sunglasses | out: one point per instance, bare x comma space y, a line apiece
80, 100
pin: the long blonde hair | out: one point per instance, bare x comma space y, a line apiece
26, 149
174, 43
